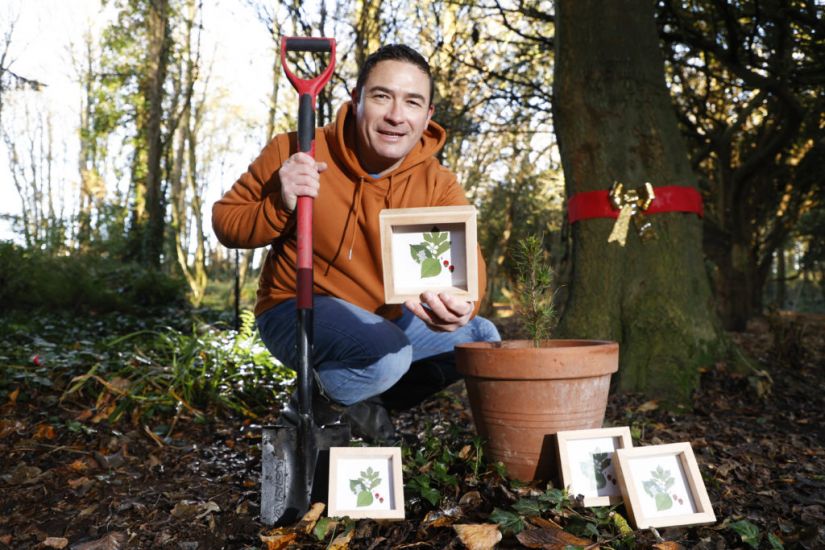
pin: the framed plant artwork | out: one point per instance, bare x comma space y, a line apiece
662, 486
431, 248
586, 463
365, 482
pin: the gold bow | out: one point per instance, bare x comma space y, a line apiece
630, 204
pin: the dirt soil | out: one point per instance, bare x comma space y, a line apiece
757, 435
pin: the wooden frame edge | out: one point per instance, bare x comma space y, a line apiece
684, 453
563, 437
464, 214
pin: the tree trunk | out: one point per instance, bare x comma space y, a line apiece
615, 122
159, 38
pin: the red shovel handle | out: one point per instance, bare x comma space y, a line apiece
308, 92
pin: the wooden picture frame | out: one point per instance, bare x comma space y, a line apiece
587, 463
432, 248
366, 482
662, 486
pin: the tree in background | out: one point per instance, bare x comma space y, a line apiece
747, 80
615, 122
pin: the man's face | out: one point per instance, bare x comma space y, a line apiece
391, 114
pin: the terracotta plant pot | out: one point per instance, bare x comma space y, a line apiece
521, 396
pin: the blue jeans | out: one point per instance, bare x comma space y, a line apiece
358, 355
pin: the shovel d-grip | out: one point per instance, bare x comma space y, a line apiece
291, 468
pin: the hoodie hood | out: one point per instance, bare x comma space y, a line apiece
341, 138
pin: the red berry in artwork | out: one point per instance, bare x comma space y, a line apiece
446, 263
381, 499
452, 268
376, 495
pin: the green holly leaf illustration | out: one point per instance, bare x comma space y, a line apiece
442, 248
663, 501
439, 237
364, 499
430, 267
419, 252
601, 481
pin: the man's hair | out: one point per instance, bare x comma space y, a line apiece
393, 52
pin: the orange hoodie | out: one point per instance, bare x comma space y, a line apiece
346, 239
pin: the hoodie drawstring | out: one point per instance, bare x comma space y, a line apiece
354, 214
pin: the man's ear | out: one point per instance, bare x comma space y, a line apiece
354, 96
430, 112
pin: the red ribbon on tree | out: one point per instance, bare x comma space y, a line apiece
625, 205
669, 198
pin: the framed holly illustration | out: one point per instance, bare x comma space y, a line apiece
662, 486
365, 482
587, 463
430, 248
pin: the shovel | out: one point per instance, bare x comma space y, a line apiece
292, 456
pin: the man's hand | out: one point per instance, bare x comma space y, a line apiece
444, 311
300, 176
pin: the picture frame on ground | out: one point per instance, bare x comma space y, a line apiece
366, 482
662, 486
587, 463
432, 248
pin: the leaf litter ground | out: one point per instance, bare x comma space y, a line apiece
70, 481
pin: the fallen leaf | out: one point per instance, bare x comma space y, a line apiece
307, 523
464, 453
110, 541
44, 431
341, 542
470, 500
323, 527
189, 509
84, 415
648, 406
22, 474
550, 538
56, 542
479, 536
88, 511
8, 427
80, 465
278, 541
668, 545
13, 396
437, 518
75, 483
6, 539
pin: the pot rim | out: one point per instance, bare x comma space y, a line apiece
519, 360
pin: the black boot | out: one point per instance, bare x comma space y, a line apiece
370, 420
367, 419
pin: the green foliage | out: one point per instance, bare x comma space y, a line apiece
146, 374
532, 292
509, 522
207, 369
747, 531
82, 282
434, 468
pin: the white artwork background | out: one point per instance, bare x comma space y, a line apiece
407, 272
583, 480
350, 468
642, 468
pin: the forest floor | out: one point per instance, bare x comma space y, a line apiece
758, 436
